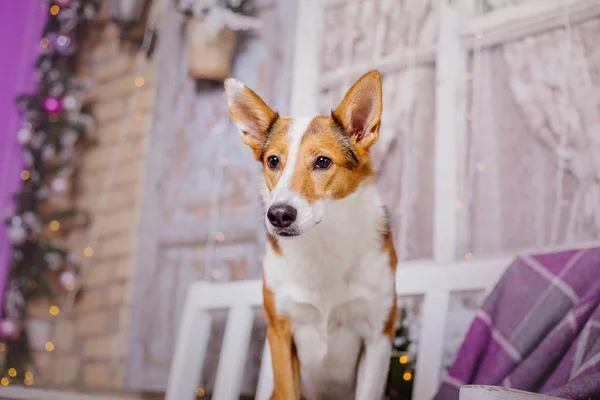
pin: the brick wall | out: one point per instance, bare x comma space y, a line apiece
90, 343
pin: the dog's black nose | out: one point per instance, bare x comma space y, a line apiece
281, 215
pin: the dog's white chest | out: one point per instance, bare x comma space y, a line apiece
328, 334
327, 312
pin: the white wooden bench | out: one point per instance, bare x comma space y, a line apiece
434, 281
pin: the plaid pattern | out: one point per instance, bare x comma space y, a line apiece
538, 330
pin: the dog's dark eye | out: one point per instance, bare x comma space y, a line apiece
322, 163
273, 162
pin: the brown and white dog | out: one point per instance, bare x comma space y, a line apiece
329, 292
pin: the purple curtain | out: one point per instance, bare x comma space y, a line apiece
21, 24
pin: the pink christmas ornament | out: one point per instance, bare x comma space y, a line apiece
67, 280
23, 136
59, 185
70, 102
53, 105
9, 328
53, 260
16, 234
63, 44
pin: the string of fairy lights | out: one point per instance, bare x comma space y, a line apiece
561, 151
474, 164
211, 272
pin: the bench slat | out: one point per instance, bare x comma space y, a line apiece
234, 353
190, 350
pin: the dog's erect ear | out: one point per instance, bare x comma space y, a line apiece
360, 111
251, 115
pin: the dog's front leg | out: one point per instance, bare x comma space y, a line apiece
286, 375
373, 368
286, 368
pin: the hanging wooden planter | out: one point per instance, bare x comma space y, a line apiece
210, 55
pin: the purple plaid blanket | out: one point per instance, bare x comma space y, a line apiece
538, 330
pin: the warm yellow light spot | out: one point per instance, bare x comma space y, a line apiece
28, 382
69, 286
54, 9
54, 225
403, 359
200, 392
54, 310
468, 256
28, 375
88, 251
4, 381
44, 42
220, 237
49, 346
2, 347
12, 372
25, 174
407, 376
139, 81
